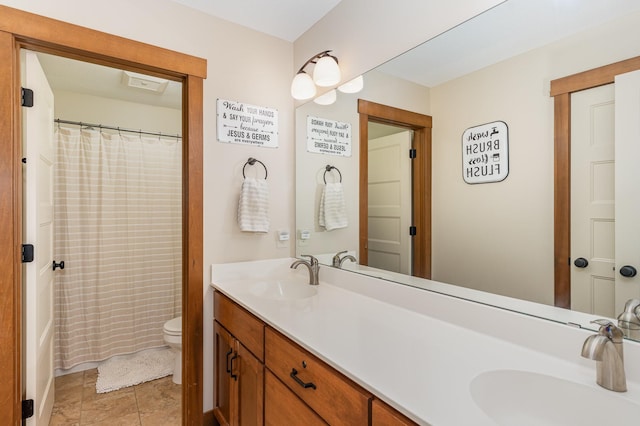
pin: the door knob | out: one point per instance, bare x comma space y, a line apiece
628, 271
58, 265
581, 262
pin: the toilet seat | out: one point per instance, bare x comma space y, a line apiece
173, 327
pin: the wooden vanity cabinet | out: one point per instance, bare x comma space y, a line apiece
239, 386
264, 378
384, 415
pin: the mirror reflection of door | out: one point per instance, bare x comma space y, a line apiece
600, 229
390, 203
419, 172
593, 201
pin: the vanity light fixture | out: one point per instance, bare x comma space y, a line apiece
326, 73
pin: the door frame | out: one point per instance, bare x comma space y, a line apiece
19, 29
561, 90
421, 178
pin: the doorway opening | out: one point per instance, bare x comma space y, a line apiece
37, 33
103, 205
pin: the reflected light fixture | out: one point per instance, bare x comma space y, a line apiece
326, 73
326, 98
352, 86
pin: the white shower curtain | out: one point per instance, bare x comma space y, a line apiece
118, 230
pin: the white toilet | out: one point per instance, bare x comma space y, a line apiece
173, 338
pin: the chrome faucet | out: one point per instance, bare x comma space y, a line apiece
312, 265
338, 261
629, 319
606, 349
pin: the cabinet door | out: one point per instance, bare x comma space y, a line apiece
283, 407
225, 386
383, 415
250, 373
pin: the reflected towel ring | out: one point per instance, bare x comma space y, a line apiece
328, 169
251, 161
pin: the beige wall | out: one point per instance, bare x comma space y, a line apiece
498, 237
112, 112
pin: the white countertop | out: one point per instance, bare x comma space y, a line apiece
418, 363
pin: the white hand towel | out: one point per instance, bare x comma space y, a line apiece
253, 208
332, 214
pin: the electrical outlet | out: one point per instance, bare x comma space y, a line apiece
282, 238
303, 237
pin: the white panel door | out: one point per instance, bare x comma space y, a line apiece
389, 210
627, 185
593, 201
38, 149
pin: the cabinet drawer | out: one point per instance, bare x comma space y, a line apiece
282, 407
244, 326
334, 397
383, 415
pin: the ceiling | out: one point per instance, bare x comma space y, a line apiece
500, 33
285, 19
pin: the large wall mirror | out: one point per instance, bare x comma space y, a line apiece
493, 242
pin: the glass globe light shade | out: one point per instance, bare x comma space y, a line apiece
353, 86
302, 87
326, 98
326, 72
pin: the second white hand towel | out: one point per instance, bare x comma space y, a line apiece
253, 207
333, 213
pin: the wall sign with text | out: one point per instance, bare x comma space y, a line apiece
485, 153
326, 136
247, 124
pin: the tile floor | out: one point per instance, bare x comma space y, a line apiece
156, 403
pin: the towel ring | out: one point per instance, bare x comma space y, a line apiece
251, 161
328, 169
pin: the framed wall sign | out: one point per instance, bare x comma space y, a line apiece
485, 153
326, 136
247, 124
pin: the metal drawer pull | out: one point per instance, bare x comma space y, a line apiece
227, 364
234, 376
294, 376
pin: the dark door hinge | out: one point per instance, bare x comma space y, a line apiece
412, 230
27, 409
27, 97
27, 253
412, 153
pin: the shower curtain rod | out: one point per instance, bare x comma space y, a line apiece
119, 129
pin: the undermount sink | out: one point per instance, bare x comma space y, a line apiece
283, 289
511, 397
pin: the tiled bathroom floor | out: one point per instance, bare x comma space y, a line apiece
156, 403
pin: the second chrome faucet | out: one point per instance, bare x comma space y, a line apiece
312, 265
606, 349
